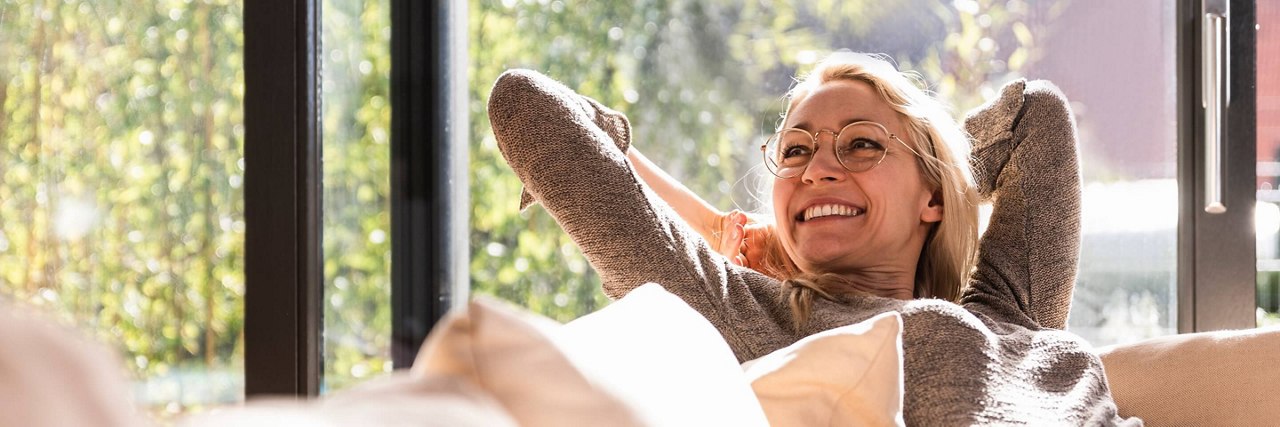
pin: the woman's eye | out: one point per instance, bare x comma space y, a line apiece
862, 145
865, 144
796, 150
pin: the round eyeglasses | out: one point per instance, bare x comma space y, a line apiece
859, 146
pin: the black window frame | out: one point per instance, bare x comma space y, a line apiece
430, 197
430, 190
283, 276
1217, 264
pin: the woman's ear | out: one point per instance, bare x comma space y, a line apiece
933, 210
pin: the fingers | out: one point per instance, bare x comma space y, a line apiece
732, 234
743, 240
756, 236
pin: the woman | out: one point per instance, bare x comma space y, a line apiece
885, 225
941, 178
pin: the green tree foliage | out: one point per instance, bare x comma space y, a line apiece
121, 199
356, 118
702, 82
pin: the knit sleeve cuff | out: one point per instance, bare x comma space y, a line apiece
991, 127
611, 121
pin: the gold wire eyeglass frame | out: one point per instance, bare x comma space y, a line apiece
835, 136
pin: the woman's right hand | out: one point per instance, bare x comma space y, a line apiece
742, 239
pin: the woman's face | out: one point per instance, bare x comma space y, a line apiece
882, 215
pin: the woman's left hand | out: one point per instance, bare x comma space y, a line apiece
741, 238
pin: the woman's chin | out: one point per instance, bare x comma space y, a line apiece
822, 258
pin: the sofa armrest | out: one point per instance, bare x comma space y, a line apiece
1208, 378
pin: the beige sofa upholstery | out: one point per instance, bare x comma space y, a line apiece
54, 378
1209, 378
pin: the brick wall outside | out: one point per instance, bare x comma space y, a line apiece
1269, 82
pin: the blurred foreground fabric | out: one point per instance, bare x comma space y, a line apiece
51, 376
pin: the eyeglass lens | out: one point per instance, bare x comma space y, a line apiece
858, 147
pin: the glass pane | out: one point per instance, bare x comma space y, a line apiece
1127, 287
121, 205
702, 81
1268, 208
356, 117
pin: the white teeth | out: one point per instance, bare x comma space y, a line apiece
830, 209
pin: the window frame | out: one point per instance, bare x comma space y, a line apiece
430, 191
282, 191
1217, 264
284, 281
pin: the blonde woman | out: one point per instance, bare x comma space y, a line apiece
946, 248
874, 211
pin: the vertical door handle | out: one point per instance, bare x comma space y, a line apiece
1213, 61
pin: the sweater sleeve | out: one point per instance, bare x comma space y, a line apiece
569, 151
1025, 163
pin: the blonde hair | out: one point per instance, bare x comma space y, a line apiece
942, 152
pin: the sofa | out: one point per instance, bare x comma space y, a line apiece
646, 359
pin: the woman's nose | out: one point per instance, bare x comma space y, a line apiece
824, 166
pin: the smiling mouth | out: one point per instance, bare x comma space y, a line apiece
821, 211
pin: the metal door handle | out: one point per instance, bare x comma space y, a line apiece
1213, 58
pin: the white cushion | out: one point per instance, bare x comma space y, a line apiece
851, 375
665, 360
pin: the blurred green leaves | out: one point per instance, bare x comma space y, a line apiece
121, 203
356, 119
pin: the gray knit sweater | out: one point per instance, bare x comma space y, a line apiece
995, 358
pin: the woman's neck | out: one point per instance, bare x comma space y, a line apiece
887, 281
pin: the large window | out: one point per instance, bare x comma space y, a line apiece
233, 194
121, 203
702, 83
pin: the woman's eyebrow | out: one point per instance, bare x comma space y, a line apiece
806, 126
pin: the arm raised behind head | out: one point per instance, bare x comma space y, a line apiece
569, 151
1025, 161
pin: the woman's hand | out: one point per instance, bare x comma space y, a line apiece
742, 239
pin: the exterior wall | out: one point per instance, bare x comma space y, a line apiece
1269, 83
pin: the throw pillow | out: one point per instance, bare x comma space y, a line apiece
851, 375
513, 355
665, 360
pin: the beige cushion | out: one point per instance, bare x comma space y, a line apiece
51, 376
647, 359
847, 376
399, 399
512, 355
1211, 378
